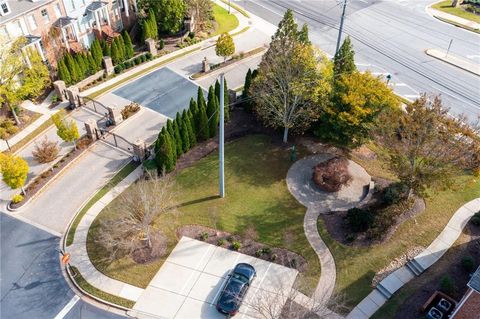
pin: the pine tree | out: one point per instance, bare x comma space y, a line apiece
201, 99
344, 60
287, 33
72, 68
115, 53
184, 133
225, 98
212, 114
63, 72
191, 132
172, 135
203, 132
247, 104
128, 45
177, 138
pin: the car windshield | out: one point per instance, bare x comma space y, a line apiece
240, 277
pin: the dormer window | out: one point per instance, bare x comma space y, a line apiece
4, 8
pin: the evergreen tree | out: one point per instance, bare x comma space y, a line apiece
128, 45
184, 133
225, 98
217, 89
201, 99
177, 138
287, 34
247, 103
115, 53
121, 48
106, 48
72, 68
153, 24
191, 132
344, 62
303, 35
81, 66
164, 152
203, 131
91, 63
63, 72
97, 53
212, 114
172, 135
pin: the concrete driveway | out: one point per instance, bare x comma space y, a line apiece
191, 279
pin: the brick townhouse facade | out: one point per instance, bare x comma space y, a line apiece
54, 26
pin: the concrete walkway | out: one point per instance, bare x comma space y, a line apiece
78, 249
393, 282
453, 18
454, 60
300, 184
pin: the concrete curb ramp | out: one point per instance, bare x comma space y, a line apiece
393, 282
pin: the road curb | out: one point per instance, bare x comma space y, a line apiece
465, 65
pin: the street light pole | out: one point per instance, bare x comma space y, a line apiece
341, 26
221, 138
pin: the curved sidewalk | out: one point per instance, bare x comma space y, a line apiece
78, 249
300, 186
393, 282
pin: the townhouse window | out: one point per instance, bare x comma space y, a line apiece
56, 8
4, 8
32, 22
45, 16
4, 33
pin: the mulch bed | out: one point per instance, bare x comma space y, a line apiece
38, 182
249, 247
449, 264
335, 222
144, 254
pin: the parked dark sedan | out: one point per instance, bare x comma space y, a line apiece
236, 287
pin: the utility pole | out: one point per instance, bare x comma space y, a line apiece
341, 26
221, 138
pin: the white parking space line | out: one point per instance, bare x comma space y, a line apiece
214, 301
67, 307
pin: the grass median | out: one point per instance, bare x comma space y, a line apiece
446, 6
225, 22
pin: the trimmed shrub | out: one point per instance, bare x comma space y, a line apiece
191, 34
267, 250
359, 219
148, 55
447, 285
17, 198
468, 263
137, 60
258, 253
274, 257
220, 242
236, 245
118, 69
395, 193
203, 236
161, 44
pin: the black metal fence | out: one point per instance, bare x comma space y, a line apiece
95, 106
115, 140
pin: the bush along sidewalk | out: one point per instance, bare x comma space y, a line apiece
196, 124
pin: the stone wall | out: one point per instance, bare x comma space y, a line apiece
90, 79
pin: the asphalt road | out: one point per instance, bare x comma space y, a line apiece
31, 282
390, 37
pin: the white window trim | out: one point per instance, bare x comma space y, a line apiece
32, 23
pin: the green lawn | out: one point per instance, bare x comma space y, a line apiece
446, 6
256, 194
225, 22
356, 266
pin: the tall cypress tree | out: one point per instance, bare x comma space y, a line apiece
164, 153
106, 48
172, 135
201, 99
247, 104
177, 138
121, 48
204, 132
212, 114
63, 72
226, 100
72, 68
153, 24
115, 53
217, 89
81, 66
91, 63
303, 35
344, 60
97, 53
184, 133
191, 132
128, 45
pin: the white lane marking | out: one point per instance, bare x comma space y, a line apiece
67, 307
401, 84
473, 56
412, 96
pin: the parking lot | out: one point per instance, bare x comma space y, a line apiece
163, 91
191, 279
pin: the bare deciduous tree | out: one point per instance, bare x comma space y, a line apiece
135, 214
202, 13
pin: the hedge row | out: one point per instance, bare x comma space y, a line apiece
133, 62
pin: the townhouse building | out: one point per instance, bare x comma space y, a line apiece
54, 26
